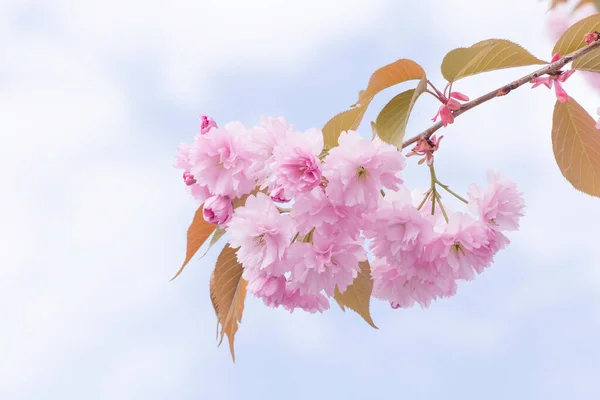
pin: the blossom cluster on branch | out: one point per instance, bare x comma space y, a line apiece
302, 235
324, 214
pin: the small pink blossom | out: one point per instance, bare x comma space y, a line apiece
220, 158
206, 124
217, 210
262, 235
426, 147
326, 263
449, 104
557, 79
357, 170
500, 205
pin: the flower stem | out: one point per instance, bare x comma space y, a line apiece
439, 200
447, 189
425, 197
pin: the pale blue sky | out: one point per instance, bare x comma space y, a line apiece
94, 99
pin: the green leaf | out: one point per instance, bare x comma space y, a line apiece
574, 38
576, 145
588, 62
393, 118
348, 120
399, 71
484, 56
357, 296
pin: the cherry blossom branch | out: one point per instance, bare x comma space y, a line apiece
552, 68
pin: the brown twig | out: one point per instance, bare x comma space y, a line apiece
506, 89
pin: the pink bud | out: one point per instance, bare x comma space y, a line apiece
217, 210
591, 37
453, 105
188, 178
459, 96
278, 195
555, 58
206, 124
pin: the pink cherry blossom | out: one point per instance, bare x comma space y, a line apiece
206, 124
391, 284
327, 262
315, 210
271, 289
262, 142
217, 210
220, 159
357, 170
500, 205
399, 234
297, 164
199, 192
262, 235
182, 159
311, 303
468, 246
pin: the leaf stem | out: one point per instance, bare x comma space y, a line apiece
506, 89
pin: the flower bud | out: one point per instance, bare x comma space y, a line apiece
206, 124
217, 210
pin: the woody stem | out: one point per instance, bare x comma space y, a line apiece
552, 68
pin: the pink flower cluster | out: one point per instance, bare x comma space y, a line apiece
419, 258
313, 214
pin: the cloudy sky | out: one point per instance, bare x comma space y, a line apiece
96, 95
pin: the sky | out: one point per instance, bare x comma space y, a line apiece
94, 99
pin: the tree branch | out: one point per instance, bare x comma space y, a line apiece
506, 89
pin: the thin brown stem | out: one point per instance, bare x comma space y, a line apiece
552, 68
